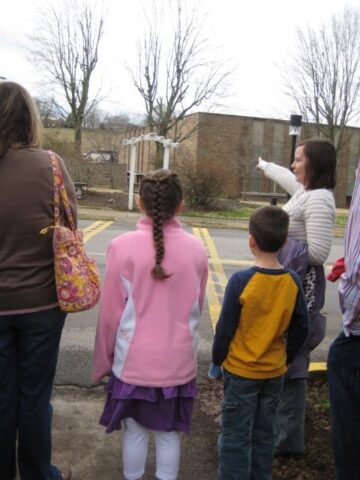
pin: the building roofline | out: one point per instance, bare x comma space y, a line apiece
236, 116
257, 118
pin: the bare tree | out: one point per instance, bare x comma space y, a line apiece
95, 118
324, 75
47, 110
65, 50
177, 77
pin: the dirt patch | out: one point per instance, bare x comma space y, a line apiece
318, 463
98, 199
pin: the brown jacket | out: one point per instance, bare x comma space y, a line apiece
27, 206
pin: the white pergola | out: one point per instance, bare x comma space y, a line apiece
167, 142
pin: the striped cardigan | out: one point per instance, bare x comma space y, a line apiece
312, 213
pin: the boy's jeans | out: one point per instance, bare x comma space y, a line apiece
246, 442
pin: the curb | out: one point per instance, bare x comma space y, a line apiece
85, 213
213, 223
200, 222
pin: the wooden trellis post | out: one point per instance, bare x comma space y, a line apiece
167, 142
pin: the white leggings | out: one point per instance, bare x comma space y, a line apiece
134, 452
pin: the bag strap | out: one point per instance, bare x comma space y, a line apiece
60, 192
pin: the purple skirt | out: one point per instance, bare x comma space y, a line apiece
162, 408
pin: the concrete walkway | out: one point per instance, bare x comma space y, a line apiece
79, 442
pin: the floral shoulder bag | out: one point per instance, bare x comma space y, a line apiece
76, 275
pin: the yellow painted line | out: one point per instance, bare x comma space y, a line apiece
93, 229
217, 276
222, 285
214, 257
249, 263
212, 298
245, 263
317, 367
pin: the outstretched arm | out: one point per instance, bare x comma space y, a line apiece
281, 175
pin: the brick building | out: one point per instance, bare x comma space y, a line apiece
234, 143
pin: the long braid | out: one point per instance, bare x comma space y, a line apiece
158, 234
161, 194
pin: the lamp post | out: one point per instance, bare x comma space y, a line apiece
294, 131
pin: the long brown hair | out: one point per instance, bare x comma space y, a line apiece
20, 126
161, 193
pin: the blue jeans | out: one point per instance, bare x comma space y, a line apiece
29, 346
344, 391
290, 418
246, 442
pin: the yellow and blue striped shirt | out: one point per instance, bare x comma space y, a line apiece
261, 307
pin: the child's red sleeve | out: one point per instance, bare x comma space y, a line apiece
337, 269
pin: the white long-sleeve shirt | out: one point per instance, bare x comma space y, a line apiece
312, 212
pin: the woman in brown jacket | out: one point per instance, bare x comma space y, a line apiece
30, 319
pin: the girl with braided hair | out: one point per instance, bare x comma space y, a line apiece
150, 307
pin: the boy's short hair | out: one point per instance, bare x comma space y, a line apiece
269, 226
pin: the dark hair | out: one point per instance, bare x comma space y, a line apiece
321, 172
161, 194
20, 126
269, 226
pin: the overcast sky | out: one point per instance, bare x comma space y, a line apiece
255, 35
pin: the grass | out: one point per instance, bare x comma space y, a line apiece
90, 138
242, 213
341, 219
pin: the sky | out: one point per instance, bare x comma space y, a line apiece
255, 37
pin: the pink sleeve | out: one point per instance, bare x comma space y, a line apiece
112, 303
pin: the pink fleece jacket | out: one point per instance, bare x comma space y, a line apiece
147, 328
